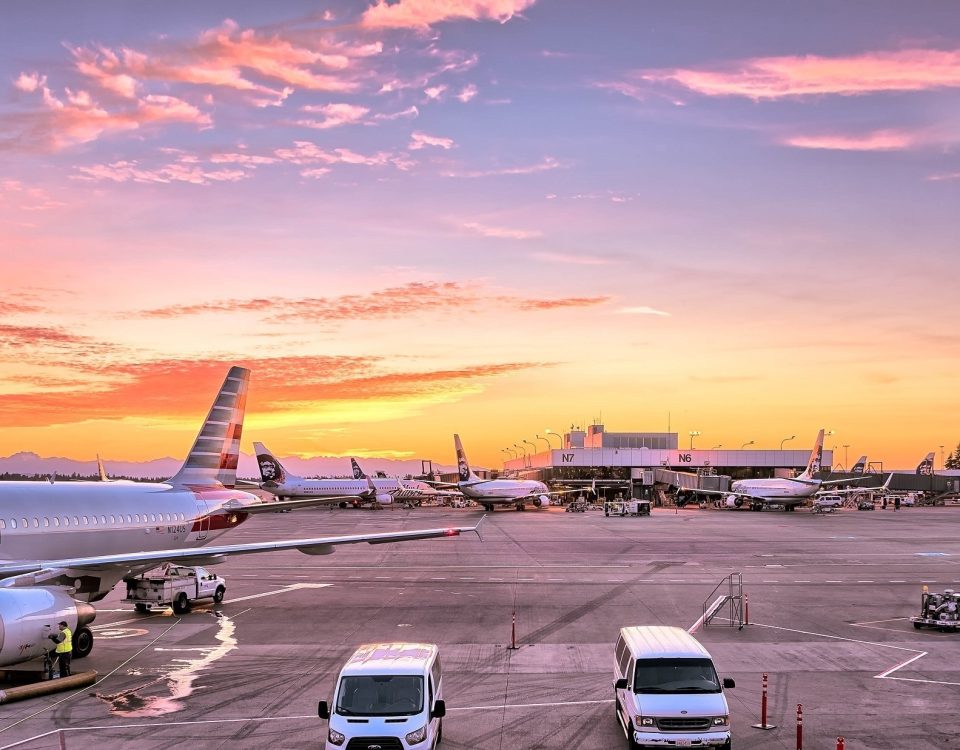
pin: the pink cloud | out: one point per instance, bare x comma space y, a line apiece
30, 82
809, 75
544, 165
80, 119
940, 176
435, 92
182, 171
467, 93
562, 302
334, 115
879, 140
410, 112
421, 14
420, 140
504, 233
104, 66
307, 153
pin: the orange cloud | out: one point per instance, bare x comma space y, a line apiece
879, 140
561, 302
147, 390
810, 75
422, 14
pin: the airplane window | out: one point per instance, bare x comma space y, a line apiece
66, 520
94, 520
76, 521
13, 523
3, 524
86, 521
36, 523
153, 517
56, 521
46, 522
103, 520
113, 518
25, 524
129, 518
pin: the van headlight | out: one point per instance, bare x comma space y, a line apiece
334, 737
646, 721
417, 735
721, 721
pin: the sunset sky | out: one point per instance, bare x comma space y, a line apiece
483, 216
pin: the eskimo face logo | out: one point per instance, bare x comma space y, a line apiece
269, 470
817, 461
357, 474
464, 471
925, 468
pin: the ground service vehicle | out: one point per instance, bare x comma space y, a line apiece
388, 696
667, 693
627, 508
940, 611
177, 586
827, 503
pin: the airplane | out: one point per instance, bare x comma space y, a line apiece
925, 467
780, 491
398, 489
280, 482
65, 545
490, 492
860, 466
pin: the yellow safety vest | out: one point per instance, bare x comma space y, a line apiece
66, 645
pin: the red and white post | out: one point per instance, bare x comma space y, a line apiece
746, 610
763, 708
840, 744
513, 632
799, 726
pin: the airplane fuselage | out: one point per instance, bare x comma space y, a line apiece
62, 520
502, 491
776, 490
400, 489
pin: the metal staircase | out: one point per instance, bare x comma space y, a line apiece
728, 593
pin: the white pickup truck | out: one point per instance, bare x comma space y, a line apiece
177, 586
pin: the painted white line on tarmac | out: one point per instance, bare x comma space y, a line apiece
284, 590
900, 666
526, 705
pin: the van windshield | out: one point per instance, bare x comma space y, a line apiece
676, 676
380, 695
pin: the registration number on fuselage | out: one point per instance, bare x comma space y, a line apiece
179, 529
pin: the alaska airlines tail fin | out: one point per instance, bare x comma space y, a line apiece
926, 466
860, 466
271, 470
463, 468
815, 460
216, 451
357, 471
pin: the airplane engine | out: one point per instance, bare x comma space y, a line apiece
385, 499
733, 501
543, 501
29, 615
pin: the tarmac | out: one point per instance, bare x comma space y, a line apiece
829, 600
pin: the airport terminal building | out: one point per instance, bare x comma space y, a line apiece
631, 463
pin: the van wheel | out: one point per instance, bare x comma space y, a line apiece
630, 743
218, 594
181, 604
141, 608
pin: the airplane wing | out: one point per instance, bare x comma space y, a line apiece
842, 481
309, 502
201, 555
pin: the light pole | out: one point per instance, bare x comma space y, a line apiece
785, 440
510, 451
746, 444
943, 465
504, 450
548, 431
693, 434
846, 456
522, 450
540, 437
532, 446
718, 445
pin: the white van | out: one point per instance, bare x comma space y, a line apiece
667, 690
389, 696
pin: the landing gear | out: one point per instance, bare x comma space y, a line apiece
521, 506
82, 642
489, 508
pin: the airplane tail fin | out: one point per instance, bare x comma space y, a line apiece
271, 470
860, 466
213, 458
926, 466
463, 467
357, 471
101, 470
815, 460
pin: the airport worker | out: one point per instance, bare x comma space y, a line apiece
896, 503
884, 502
64, 649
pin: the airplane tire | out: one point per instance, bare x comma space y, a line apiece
82, 642
218, 594
181, 604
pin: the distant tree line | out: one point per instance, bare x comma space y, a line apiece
953, 460
9, 476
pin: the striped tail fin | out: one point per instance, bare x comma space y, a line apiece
213, 459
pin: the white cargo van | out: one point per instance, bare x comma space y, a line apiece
667, 690
389, 696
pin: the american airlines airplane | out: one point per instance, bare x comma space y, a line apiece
64, 545
490, 492
280, 482
780, 491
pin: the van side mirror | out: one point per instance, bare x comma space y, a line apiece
439, 710
620, 684
323, 710
729, 683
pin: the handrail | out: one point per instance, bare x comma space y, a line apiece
734, 595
